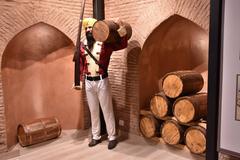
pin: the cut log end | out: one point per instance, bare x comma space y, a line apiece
172, 86
170, 133
190, 108
184, 111
159, 106
195, 140
147, 127
101, 31
181, 83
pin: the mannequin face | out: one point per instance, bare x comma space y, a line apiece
88, 29
89, 36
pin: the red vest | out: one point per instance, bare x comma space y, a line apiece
105, 54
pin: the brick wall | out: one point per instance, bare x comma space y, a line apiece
2, 121
143, 15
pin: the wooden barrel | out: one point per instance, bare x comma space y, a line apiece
160, 105
149, 126
182, 83
190, 108
106, 31
172, 133
195, 139
38, 131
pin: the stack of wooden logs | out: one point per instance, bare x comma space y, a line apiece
178, 113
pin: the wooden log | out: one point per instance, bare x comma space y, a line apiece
149, 126
181, 83
161, 106
144, 112
38, 131
172, 133
195, 139
190, 108
106, 31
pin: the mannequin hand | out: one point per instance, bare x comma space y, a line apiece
78, 87
122, 31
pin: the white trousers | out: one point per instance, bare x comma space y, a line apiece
100, 92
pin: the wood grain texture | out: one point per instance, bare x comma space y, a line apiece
182, 83
195, 139
189, 108
172, 132
161, 106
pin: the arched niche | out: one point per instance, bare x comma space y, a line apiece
176, 44
37, 78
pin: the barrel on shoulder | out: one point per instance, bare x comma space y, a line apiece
190, 108
38, 131
106, 31
181, 83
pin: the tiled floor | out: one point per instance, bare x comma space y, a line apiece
73, 145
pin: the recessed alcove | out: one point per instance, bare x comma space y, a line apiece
176, 44
37, 79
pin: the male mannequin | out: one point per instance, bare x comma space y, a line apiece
95, 75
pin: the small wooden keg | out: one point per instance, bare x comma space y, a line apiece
195, 139
182, 83
190, 108
160, 105
106, 31
149, 126
172, 133
38, 131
